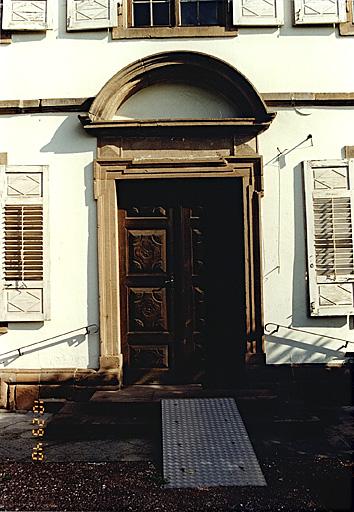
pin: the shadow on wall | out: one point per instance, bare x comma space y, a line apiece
69, 137
286, 350
300, 309
10, 356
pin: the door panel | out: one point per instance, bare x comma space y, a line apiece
181, 279
146, 234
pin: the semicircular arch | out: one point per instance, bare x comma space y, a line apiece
193, 68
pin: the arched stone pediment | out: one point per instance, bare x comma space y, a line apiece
183, 67
200, 70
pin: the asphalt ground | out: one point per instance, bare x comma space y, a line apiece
306, 460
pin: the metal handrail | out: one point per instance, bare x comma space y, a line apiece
266, 330
86, 327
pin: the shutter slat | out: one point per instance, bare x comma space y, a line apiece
332, 227
23, 231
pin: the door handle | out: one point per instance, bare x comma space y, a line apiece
171, 280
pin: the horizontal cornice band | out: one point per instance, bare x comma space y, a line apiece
82, 105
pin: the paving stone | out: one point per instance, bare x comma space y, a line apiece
100, 451
17, 442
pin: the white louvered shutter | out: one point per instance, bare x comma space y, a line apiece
258, 12
91, 14
329, 186
24, 274
319, 11
24, 15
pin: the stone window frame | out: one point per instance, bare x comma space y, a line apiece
5, 35
347, 28
125, 29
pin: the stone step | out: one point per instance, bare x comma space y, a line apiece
150, 394
53, 405
138, 409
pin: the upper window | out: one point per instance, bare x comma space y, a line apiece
174, 18
185, 13
193, 18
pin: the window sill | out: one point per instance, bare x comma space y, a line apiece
164, 32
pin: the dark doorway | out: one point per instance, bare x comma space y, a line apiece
182, 280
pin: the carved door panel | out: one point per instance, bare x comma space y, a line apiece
174, 295
147, 275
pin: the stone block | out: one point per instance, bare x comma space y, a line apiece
3, 394
110, 362
52, 391
25, 396
349, 151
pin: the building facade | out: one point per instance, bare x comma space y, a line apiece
176, 191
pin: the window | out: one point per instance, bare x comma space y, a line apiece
194, 18
151, 13
329, 186
174, 18
202, 12
24, 294
154, 13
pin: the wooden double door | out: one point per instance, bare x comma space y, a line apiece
182, 280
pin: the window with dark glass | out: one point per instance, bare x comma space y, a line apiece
151, 13
159, 13
202, 12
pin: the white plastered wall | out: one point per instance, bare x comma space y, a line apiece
59, 142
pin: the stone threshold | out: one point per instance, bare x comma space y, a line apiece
155, 393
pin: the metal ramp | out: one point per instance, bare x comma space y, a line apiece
205, 443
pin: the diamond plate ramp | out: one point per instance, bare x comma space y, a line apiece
205, 443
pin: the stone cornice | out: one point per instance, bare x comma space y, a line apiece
82, 105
